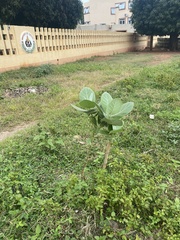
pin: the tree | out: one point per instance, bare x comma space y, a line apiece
42, 13
157, 17
8, 10
142, 19
34, 13
67, 13
169, 20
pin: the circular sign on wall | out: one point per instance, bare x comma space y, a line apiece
27, 42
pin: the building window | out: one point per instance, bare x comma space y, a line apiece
113, 11
122, 6
14, 50
8, 51
129, 20
1, 52
5, 36
86, 10
122, 21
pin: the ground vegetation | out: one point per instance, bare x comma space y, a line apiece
52, 181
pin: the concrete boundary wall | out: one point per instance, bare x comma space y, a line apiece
163, 42
59, 46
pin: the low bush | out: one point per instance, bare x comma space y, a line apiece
41, 71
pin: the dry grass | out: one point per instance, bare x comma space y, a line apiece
65, 82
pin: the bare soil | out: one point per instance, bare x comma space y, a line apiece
12, 132
161, 57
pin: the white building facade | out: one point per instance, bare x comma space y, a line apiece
111, 14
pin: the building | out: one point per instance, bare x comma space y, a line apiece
109, 14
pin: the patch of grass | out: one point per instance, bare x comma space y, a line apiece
25, 73
52, 185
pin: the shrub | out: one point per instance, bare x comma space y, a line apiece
41, 71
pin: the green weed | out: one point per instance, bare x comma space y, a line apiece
52, 185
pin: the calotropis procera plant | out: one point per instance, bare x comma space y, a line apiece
106, 115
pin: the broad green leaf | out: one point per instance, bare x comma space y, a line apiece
106, 114
124, 109
87, 94
38, 230
87, 104
116, 122
88, 111
105, 100
116, 128
114, 107
79, 109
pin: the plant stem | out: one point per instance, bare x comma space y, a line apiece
108, 147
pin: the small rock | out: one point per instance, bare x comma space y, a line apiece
151, 116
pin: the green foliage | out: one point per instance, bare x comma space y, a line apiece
41, 71
43, 193
105, 114
132, 197
82, 65
67, 13
27, 74
46, 141
143, 23
154, 17
127, 197
44, 13
172, 132
9, 10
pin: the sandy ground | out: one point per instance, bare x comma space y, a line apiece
10, 133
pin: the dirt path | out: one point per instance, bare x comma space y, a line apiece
6, 134
160, 57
